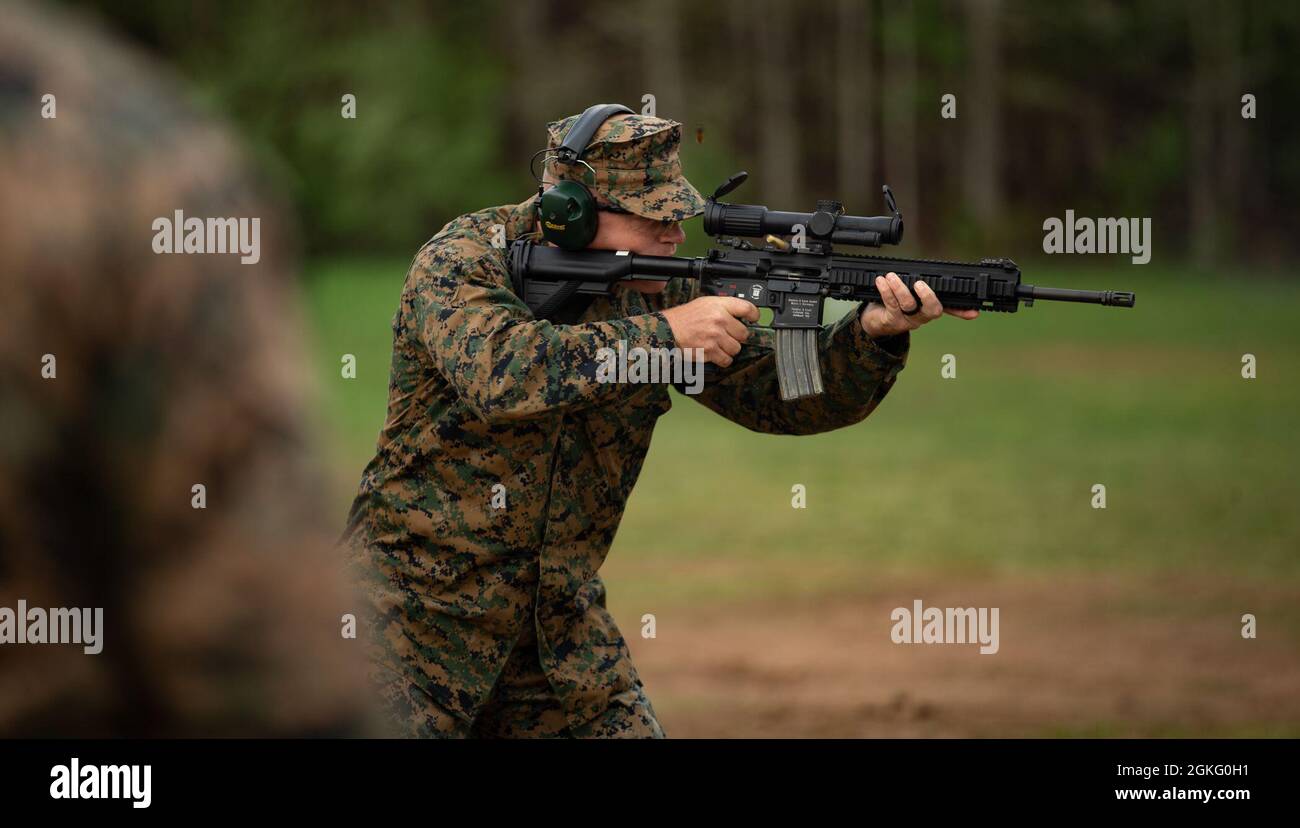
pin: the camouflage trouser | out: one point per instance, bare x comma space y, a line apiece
521, 705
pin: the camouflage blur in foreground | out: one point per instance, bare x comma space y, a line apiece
493, 621
171, 371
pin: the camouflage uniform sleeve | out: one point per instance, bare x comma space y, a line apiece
503, 363
857, 372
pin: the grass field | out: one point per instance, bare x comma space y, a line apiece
972, 490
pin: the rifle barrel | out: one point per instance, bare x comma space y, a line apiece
1114, 298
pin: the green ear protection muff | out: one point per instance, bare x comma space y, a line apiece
567, 212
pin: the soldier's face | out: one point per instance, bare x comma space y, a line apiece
648, 237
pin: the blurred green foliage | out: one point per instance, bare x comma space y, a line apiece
428, 127
1109, 108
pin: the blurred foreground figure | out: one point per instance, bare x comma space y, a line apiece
127, 378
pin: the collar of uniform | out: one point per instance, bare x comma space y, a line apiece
521, 221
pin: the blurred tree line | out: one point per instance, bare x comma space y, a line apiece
1108, 108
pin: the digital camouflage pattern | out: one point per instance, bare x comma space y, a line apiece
492, 621
170, 371
634, 166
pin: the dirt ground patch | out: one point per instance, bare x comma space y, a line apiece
1079, 656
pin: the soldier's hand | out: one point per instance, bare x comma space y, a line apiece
712, 323
891, 316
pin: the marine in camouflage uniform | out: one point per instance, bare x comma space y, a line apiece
170, 370
492, 621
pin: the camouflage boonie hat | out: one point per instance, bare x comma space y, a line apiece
636, 165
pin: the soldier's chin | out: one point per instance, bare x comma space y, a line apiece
644, 285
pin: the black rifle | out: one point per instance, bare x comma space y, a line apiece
790, 277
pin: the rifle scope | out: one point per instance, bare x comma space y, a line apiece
827, 223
